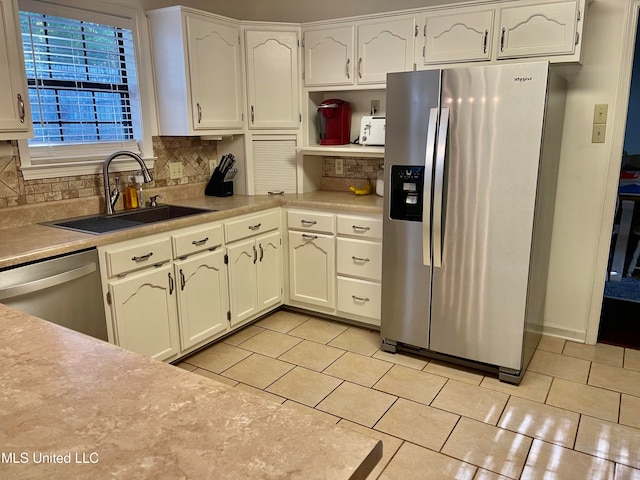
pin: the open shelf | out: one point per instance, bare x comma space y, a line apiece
348, 150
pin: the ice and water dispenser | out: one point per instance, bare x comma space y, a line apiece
407, 184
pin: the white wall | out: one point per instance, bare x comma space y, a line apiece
587, 182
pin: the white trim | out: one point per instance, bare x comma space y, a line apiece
136, 20
563, 332
615, 161
88, 167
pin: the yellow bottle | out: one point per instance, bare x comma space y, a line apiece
131, 197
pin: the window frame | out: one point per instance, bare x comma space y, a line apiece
87, 159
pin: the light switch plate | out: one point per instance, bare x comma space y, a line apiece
598, 134
600, 113
175, 170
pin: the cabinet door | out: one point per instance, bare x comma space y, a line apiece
538, 30
269, 273
215, 73
312, 268
272, 79
458, 37
145, 315
328, 56
202, 297
15, 120
243, 282
384, 47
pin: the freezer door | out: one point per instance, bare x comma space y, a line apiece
412, 104
479, 293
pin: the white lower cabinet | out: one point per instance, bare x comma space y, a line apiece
202, 297
312, 269
359, 267
255, 265
144, 312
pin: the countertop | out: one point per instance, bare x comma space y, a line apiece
97, 411
34, 242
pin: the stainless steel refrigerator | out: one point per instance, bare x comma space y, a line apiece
471, 160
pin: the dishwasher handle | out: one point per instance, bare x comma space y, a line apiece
47, 282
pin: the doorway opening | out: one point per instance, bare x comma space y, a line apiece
620, 316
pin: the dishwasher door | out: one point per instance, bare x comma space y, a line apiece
64, 290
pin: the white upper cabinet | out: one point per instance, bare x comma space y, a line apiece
464, 36
539, 29
272, 79
15, 117
198, 73
358, 54
328, 56
384, 46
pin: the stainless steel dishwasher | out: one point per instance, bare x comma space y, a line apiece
65, 290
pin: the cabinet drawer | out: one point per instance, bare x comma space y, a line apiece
311, 221
140, 255
359, 297
363, 227
197, 240
360, 258
252, 225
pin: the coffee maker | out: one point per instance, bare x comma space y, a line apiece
334, 122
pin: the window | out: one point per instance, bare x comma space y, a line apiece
83, 89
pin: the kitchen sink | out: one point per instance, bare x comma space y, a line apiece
97, 224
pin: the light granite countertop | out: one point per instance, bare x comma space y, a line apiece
32, 242
96, 411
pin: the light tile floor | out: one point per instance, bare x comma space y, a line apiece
576, 414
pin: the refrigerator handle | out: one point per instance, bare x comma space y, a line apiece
438, 186
426, 192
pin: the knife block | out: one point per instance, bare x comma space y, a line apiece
217, 187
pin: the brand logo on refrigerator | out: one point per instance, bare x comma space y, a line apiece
522, 79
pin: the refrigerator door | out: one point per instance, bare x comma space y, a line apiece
406, 276
490, 180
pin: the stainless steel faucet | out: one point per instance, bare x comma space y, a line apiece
111, 197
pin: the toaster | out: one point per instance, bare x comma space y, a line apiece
372, 130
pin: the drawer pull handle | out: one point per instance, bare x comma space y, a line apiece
359, 299
362, 229
309, 237
358, 259
308, 222
142, 258
255, 227
197, 243
276, 192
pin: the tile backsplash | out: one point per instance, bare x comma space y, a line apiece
356, 171
193, 152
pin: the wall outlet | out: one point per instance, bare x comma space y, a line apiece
339, 166
375, 106
175, 170
600, 113
599, 131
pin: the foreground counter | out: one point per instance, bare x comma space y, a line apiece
76, 407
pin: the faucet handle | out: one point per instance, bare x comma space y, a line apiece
154, 200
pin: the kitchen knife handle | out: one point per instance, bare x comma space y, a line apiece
347, 66
199, 112
486, 39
